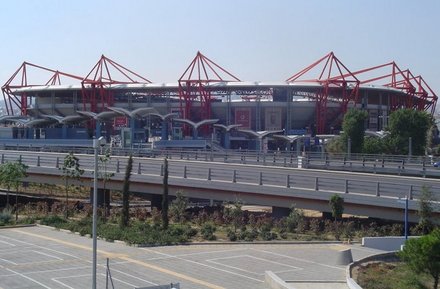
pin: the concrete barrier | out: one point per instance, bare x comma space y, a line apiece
344, 257
384, 243
274, 282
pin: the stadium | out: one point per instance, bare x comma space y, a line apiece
208, 106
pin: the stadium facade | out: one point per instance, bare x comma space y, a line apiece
206, 103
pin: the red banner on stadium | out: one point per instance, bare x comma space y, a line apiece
243, 117
120, 121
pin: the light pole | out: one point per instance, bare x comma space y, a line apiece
96, 144
406, 218
405, 201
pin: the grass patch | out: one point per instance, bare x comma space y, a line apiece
391, 275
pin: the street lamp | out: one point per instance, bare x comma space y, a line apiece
405, 201
96, 144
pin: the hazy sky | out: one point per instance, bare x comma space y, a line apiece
255, 40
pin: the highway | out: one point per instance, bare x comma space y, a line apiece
363, 188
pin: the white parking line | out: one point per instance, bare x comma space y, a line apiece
44, 254
61, 283
119, 280
58, 270
299, 259
30, 279
131, 276
7, 243
19, 249
204, 265
294, 268
7, 261
195, 254
41, 247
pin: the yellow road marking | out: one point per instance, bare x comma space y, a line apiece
126, 258
166, 271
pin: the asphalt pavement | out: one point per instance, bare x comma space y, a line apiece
41, 257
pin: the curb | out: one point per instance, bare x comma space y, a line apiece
351, 283
204, 243
17, 226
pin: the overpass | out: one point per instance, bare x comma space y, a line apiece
364, 194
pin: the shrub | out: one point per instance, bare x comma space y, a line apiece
267, 235
250, 235
156, 217
316, 226
202, 217
348, 230
207, 231
232, 236
54, 221
178, 208
110, 232
337, 206
293, 219
5, 217
217, 218
337, 229
302, 226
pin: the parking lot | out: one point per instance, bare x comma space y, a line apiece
40, 257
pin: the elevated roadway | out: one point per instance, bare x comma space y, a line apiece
372, 195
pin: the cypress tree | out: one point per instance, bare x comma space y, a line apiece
125, 217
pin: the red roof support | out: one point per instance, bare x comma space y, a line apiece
418, 94
193, 86
335, 80
20, 80
95, 85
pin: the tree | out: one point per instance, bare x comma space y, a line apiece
426, 203
125, 217
164, 212
71, 171
406, 123
423, 255
178, 207
373, 145
353, 127
104, 175
235, 214
337, 206
11, 176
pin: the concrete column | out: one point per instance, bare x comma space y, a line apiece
278, 212
132, 128
195, 133
103, 197
156, 201
30, 133
258, 115
64, 132
227, 142
164, 131
288, 112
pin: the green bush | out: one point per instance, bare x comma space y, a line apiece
83, 226
232, 236
268, 235
54, 221
27, 220
207, 231
110, 232
250, 235
5, 217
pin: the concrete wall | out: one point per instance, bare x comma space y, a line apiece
384, 243
274, 282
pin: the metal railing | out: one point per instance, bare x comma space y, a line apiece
310, 180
